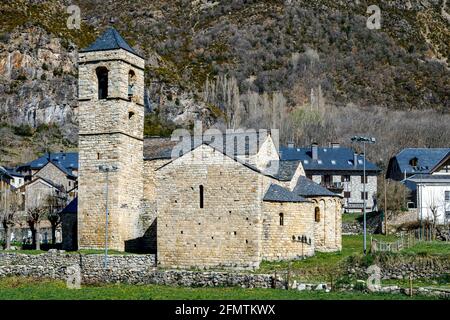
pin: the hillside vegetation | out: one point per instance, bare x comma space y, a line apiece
311, 68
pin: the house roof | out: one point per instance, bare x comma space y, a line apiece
110, 40
427, 159
286, 169
277, 193
47, 181
329, 159
161, 148
10, 172
308, 188
72, 207
66, 160
441, 163
433, 178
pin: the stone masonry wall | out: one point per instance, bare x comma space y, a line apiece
227, 231
327, 231
131, 269
52, 173
277, 240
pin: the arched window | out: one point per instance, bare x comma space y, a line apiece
131, 83
102, 79
201, 196
317, 214
281, 219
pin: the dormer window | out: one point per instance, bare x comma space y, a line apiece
131, 83
413, 162
102, 79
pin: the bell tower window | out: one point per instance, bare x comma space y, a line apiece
102, 79
131, 83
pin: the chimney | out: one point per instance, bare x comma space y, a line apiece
355, 159
290, 145
314, 151
335, 145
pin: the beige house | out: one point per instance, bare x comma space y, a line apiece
201, 204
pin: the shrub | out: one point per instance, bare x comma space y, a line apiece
24, 130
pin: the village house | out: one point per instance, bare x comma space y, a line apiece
426, 172
205, 205
340, 170
52, 175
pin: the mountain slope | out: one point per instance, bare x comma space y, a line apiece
308, 51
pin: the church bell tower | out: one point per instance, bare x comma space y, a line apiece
111, 125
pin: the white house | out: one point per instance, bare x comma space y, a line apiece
433, 192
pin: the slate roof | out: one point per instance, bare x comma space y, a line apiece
308, 188
427, 159
51, 183
286, 169
329, 159
72, 207
430, 178
67, 160
277, 193
10, 172
110, 40
161, 148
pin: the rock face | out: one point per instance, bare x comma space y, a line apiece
37, 79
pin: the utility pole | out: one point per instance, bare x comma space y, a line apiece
385, 207
364, 140
107, 170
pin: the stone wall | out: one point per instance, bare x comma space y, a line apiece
227, 230
131, 269
52, 173
402, 267
327, 231
281, 242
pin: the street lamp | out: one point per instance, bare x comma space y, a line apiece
107, 169
364, 140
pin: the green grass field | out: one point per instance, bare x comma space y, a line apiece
32, 289
322, 266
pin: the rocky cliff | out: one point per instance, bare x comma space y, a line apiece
300, 53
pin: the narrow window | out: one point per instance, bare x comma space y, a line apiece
447, 195
131, 82
364, 196
102, 79
98, 156
281, 219
317, 214
201, 197
362, 179
347, 194
130, 115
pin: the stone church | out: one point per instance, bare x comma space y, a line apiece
203, 207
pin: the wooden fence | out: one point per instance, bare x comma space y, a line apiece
406, 240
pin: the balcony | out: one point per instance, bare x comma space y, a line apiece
336, 187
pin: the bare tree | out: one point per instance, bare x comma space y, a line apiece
55, 204
35, 213
10, 205
433, 206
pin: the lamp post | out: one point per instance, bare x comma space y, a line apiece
107, 169
364, 140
